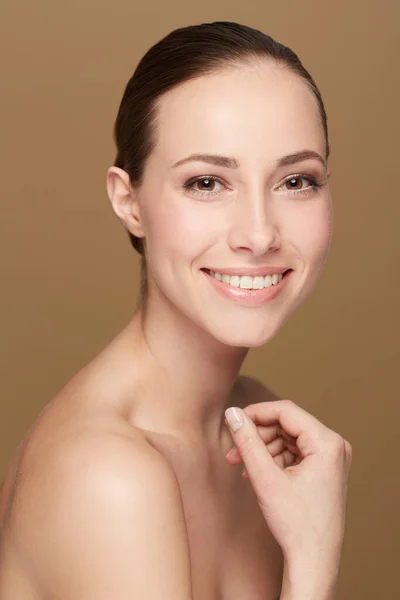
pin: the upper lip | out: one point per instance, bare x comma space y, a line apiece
250, 271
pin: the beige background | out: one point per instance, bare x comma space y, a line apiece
69, 278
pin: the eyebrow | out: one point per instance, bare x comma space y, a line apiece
233, 163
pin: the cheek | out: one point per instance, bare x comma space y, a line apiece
311, 230
178, 228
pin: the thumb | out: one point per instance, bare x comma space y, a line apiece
259, 463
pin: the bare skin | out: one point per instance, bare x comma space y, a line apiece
167, 378
234, 555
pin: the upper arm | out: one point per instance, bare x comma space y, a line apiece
113, 525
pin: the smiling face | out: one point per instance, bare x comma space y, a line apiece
250, 212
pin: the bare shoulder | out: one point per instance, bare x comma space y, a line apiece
103, 503
73, 464
255, 391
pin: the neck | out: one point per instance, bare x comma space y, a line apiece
185, 379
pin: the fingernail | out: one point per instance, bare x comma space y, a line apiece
230, 452
234, 418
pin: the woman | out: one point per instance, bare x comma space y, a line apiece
122, 488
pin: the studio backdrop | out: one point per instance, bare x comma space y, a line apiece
70, 279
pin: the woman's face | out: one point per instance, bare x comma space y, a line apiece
198, 214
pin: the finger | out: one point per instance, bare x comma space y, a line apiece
298, 423
269, 432
268, 435
258, 461
274, 447
283, 459
234, 457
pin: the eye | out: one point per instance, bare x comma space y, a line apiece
208, 181
293, 184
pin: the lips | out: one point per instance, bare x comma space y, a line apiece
248, 297
249, 272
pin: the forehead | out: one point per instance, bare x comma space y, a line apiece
260, 110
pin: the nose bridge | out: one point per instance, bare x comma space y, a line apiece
256, 207
255, 225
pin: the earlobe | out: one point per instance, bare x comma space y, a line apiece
125, 200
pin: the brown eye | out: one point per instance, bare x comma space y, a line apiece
294, 183
208, 184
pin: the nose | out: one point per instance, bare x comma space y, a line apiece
254, 226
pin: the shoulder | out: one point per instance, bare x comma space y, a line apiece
255, 391
95, 457
92, 469
95, 487
117, 500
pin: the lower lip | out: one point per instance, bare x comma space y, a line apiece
248, 297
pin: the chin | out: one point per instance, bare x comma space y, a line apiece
249, 338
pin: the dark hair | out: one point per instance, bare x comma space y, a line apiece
187, 53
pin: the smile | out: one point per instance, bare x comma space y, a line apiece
235, 288
246, 282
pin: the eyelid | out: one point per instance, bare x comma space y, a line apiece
217, 178
188, 185
314, 186
311, 178
201, 177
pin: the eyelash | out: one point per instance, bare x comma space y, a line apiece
315, 185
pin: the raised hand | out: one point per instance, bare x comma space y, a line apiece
299, 470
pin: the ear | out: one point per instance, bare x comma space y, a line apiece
124, 200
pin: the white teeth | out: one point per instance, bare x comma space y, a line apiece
246, 282
259, 282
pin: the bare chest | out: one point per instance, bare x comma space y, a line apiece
233, 553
